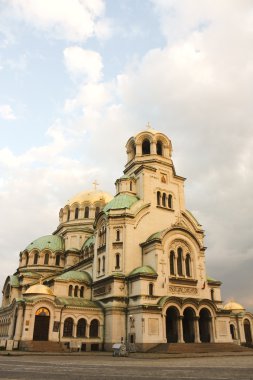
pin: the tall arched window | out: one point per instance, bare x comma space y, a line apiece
68, 327
36, 258
94, 328
26, 259
99, 265
146, 147
188, 265
158, 195
170, 201
164, 200
70, 290
82, 291
57, 260
117, 261
179, 262
159, 148
81, 328
118, 235
76, 213
68, 215
97, 211
86, 212
76, 291
172, 263
151, 289
103, 264
46, 259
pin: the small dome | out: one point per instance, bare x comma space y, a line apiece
77, 276
145, 270
51, 242
39, 289
91, 196
121, 201
234, 306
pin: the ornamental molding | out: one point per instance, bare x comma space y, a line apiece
183, 290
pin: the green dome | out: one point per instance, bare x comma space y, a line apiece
89, 242
146, 269
51, 242
77, 276
121, 201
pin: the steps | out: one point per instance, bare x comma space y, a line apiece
42, 346
181, 348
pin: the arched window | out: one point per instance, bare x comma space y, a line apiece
158, 194
97, 211
81, 328
76, 213
146, 147
170, 201
76, 291
86, 212
151, 289
46, 259
68, 327
26, 259
172, 263
117, 261
36, 258
70, 290
82, 291
57, 260
68, 215
159, 148
188, 265
94, 328
103, 264
118, 235
164, 200
179, 262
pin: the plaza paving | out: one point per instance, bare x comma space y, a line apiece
136, 366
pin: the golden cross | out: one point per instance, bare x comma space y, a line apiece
95, 183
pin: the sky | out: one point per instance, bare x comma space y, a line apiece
79, 77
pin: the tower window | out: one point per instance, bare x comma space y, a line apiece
188, 265
146, 147
36, 258
103, 264
172, 263
158, 194
70, 290
82, 291
76, 291
170, 201
179, 262
86, 212
118, 235
117, 263
164, 200
99, 265
76, 213
159, 148
68, 215
151, 289
46, 259
57, 260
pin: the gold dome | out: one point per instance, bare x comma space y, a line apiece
91, 196
234, 306
39, 289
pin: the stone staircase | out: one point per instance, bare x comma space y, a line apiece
42, 346
181, 348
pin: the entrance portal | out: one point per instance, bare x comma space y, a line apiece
247, 331
188, 325
172, 315
41, 324
204, 325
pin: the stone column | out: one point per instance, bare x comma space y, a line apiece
74, 329
196, 330
180, 329
19, 323
88, 330
211, 329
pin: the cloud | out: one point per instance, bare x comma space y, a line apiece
73, 20
83, 62
6, 112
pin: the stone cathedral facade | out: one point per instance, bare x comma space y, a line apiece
125, 268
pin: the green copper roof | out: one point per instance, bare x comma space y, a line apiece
156, 235
14, 281
146, 269
77, 276
121, 201
51, 242
89, 242
74, 301
210, 279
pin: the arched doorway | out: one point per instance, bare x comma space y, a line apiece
172, 316
41, 324
188, 325
247, 331
204, 326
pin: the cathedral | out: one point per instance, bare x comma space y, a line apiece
124, 268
